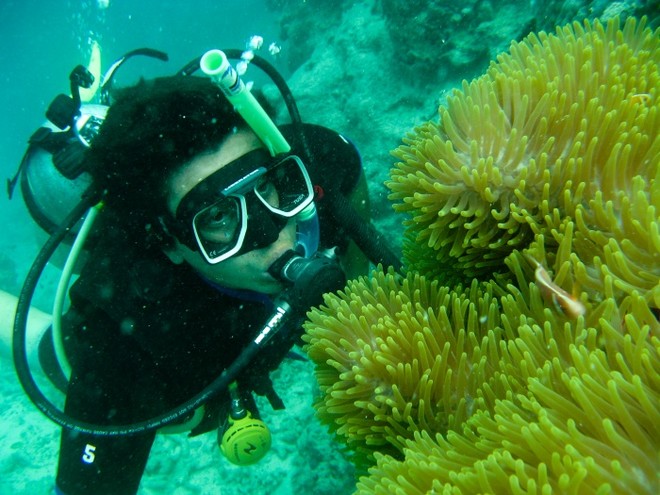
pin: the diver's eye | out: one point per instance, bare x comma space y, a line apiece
265, 187
268, 192
217, 216
218, 223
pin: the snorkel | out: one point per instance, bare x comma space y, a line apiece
215, 64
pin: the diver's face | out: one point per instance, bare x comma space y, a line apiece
245, 271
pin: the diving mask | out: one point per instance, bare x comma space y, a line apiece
213, 215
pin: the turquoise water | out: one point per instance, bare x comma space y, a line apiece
372, 69
43, 41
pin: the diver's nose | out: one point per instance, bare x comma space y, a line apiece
285, 242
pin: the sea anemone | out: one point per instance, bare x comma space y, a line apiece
399, 355
588, 422
560, 136
466, 374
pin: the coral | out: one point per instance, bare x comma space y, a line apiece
463, 375
295, 17
451, 37
481, 393
398, 355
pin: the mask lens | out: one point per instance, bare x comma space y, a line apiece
220, 225
220, 228
285, 188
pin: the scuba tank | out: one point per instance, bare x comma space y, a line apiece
51, 174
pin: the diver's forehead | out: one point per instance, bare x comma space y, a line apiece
203, 165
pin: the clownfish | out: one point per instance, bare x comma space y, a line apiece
563, 301
643, 98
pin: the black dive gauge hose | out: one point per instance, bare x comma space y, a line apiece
310, 279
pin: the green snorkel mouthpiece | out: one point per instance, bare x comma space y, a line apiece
214, 64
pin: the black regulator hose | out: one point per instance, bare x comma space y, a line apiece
308, 280
25, 299
108, 77
371, 242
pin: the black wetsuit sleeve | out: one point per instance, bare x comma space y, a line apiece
111, 383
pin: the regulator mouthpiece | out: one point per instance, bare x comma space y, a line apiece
214, 64
307, 278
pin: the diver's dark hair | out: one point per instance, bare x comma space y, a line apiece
152, 129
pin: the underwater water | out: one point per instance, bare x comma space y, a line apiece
372, 69
43, 41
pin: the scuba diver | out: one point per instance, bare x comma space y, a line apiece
214, 232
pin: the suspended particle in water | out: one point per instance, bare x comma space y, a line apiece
274, 48
255, 42
241, 67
